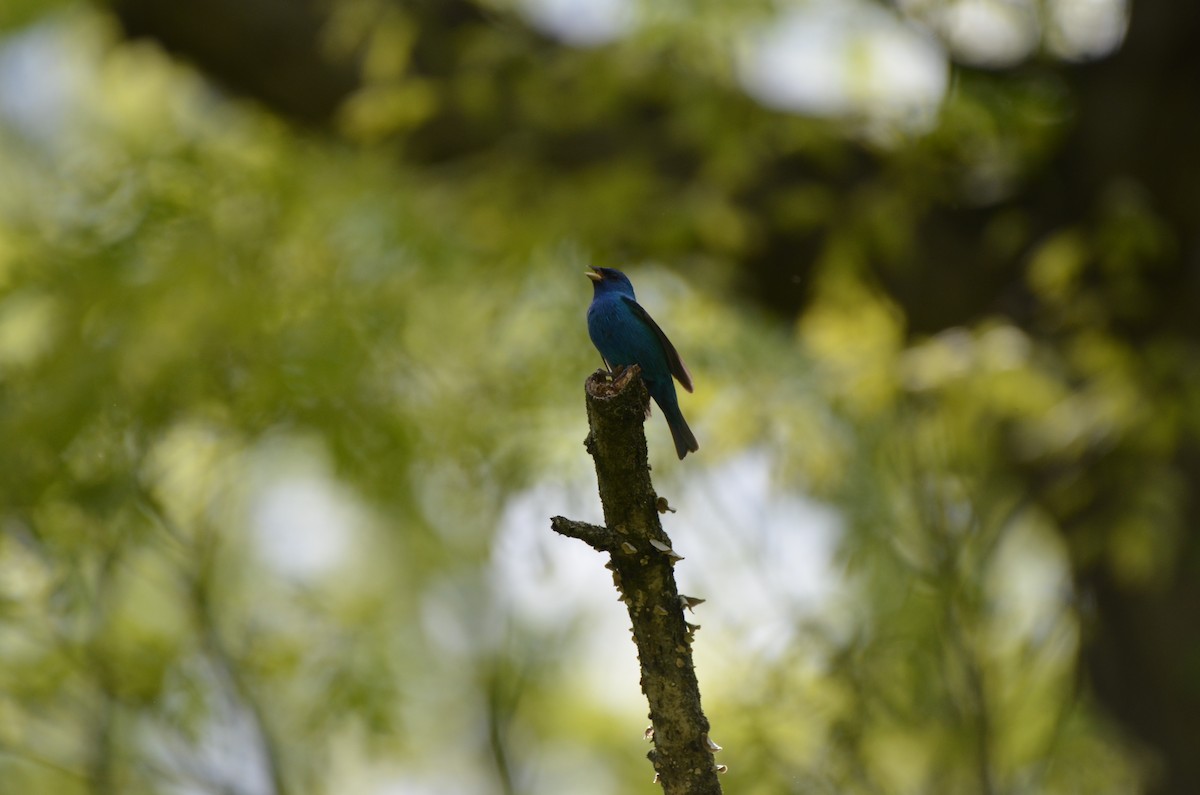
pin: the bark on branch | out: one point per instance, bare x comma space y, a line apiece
642, 562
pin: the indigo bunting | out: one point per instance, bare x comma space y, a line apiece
625, 334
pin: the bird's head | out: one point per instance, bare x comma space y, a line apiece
610, 280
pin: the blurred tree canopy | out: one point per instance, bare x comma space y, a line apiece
291, 356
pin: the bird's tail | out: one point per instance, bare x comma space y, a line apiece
685, 441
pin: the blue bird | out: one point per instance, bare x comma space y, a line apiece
625, 335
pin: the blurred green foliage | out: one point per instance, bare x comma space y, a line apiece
269, 397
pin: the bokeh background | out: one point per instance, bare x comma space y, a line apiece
291, 361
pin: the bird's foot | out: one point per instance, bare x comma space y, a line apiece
623, 375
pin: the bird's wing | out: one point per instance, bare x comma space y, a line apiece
674, 362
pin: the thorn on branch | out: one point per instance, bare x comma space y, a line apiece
666, 550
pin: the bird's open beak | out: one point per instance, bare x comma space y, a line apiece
593, 274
